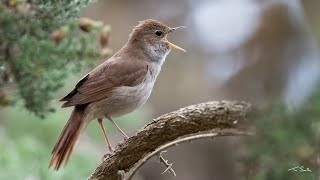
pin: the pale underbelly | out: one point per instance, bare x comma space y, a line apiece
123, 101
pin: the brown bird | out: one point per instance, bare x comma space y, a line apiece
117, 86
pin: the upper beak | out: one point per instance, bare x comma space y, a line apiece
176, 28
171, 44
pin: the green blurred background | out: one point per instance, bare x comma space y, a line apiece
262, 51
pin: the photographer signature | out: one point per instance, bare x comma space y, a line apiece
300, 169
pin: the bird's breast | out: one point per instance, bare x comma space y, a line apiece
126, 99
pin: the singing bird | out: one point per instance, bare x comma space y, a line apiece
116, 87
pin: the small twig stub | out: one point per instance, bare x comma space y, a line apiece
165, 162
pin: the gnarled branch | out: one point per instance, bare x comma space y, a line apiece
168, 127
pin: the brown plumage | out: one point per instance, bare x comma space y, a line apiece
116, 87
99, 83
68, 138
96, 85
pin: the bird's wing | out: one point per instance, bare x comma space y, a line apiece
99, 83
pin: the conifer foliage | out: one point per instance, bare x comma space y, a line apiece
41, 43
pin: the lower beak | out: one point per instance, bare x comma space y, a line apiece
171, 45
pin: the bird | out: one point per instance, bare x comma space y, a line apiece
116, 87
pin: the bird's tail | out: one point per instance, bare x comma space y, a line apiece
68, 137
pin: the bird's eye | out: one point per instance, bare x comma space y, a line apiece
159, 33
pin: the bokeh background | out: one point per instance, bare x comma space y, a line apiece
262, 51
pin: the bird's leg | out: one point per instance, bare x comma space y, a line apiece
120, 130
105, 135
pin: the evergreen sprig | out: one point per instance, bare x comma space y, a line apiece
41, 42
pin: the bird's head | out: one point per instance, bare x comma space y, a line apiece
151, 35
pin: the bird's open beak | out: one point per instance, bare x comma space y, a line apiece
171, 44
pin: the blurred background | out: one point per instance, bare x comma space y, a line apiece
262, 51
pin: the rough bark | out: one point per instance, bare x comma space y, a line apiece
168, 127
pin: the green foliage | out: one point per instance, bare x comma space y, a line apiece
286, 139
41, 44
26, 144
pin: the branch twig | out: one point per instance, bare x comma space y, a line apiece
165, 162
167, 128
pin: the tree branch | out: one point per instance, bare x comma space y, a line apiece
133, 170
168, 127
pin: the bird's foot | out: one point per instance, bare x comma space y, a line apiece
108, 153
125, 138
111, 150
